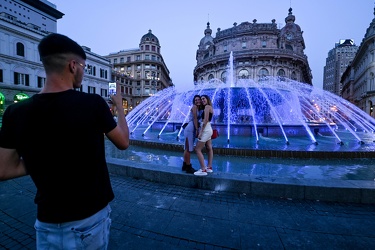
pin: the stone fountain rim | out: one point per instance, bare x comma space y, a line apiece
263, 152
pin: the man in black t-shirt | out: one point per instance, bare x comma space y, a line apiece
57, 137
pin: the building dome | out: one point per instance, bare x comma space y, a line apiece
207, 40
149, 37
291, 31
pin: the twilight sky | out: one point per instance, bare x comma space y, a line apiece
114, 25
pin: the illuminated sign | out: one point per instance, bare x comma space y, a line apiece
19, 97
2, 99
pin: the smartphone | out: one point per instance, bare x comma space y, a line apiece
112, 88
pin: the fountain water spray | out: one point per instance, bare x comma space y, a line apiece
273, 107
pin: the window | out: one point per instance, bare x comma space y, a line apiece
103, 73
293, 76
372, 81
21, 79
20, 49
121, 60
263, 72
41, 82
147, 57
289, 47
138, 57
243, 74
264, 44
225, 48
115, 60
128, 59
147, 47
211, 76
104, 92
153, 48
281, 72
224, 76
88, 69
244, 45
91, 90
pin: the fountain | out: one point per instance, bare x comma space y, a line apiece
272, 115
276, 120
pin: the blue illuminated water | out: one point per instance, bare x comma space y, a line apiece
319, 169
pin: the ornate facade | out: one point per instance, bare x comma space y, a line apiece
141, 72
259, 50
358, 80
23, 23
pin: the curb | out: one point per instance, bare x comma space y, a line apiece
353, 191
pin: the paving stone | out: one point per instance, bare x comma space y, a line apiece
151, 215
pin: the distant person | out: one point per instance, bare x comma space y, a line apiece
57, 137
204, 137
191, 132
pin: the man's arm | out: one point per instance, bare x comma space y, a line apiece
119, 136
11, 165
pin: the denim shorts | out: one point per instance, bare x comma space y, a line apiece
89, 233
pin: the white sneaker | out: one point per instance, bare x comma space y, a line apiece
200, 172
209, 170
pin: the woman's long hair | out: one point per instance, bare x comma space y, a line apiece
208, 99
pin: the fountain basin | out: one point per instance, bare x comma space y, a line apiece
272, 111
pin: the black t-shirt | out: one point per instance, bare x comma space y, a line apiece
60, 136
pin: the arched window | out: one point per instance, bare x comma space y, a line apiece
211, 76
263, 72
293, 76
281, 72
20, 49
243, 74
289, 47
224, 76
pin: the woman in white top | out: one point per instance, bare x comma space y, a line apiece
204, 137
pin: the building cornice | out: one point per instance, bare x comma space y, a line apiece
39, 5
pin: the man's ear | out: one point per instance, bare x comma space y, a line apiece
71, 66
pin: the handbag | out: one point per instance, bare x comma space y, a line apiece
215, 133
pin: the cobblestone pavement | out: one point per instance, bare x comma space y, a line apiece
148, 215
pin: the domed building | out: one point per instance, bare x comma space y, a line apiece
141, 72
259, 50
